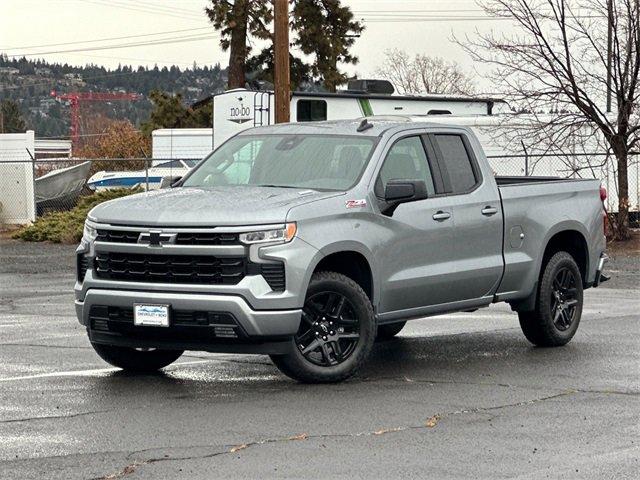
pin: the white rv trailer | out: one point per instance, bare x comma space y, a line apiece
181, 144
239, 109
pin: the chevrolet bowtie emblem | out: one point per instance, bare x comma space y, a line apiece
156, 238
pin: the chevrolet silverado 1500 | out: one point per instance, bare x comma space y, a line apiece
307, 241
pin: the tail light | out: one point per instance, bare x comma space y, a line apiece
603, 193
605, 217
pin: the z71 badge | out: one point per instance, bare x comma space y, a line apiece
356, 203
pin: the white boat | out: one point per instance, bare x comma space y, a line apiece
59, 189
129, 179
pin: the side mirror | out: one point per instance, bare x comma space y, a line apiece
169, 181
403, 191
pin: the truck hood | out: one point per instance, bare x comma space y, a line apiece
192, 206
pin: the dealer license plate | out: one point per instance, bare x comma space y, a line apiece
151, 315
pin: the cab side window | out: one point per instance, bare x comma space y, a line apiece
457, 163
406, 160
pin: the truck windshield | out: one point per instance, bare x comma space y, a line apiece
322, 162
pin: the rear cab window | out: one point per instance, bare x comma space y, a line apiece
459, 170
311, 110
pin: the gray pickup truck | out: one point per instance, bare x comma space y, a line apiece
307, 241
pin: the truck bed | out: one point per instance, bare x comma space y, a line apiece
518, 180
530, 205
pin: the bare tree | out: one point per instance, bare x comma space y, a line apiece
557, 62
424, 74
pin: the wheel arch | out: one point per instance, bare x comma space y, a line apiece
574, 242
350, 259
569, 236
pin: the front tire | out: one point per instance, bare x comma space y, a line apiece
555, 320
134, 360
336, 332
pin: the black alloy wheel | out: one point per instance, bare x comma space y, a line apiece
558, 306
564, 303
336, 333
329, 331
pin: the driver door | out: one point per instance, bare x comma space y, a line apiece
415, 261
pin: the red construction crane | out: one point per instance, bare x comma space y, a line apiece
75, 98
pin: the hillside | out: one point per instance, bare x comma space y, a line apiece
30, 82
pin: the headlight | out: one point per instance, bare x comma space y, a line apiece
277, 235
89, 233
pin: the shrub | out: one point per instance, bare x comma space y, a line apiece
66, 227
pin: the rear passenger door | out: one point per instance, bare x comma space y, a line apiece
477, 215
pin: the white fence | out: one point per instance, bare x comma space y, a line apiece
17, 204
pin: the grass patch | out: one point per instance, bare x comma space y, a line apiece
66, 227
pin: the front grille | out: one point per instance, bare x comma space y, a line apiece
184, 325
170, 268
273, 273
82, 265
207, 239
117, 236
185, 238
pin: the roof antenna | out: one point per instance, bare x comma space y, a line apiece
364, 125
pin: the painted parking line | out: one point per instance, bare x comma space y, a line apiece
88, 373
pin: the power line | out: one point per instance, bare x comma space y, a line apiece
106, 39
385, 12
433, 19
451, 18
115, 4
171, 8
181, 39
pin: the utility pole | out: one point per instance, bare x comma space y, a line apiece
281, 67
609, 51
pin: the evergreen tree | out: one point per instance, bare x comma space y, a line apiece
261, 67
10, 118
238, 21
323, 29
326, 30
170, 112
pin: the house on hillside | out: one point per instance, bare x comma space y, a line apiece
9, 71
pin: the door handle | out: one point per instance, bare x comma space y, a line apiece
489, 210
440, 215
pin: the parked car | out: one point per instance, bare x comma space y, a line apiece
129, 179
308, 241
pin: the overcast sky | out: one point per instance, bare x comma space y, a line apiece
32, 26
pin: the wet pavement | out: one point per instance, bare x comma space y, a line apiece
458, 396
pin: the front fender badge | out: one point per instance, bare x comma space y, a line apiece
356, 203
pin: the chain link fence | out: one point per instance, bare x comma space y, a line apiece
48, 185
57, 184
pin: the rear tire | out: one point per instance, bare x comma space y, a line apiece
133, 360
555, 320
336, 332
390, 330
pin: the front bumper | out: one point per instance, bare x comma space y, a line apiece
266, 331
263, 315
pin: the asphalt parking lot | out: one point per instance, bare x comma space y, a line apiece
458, 396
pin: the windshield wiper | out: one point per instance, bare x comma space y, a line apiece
278, 186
